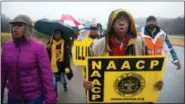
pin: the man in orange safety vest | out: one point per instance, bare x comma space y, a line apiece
157, 40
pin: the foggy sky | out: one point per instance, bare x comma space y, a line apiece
89, 10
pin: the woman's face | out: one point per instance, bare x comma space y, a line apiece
57, 35
121, 27
18, 30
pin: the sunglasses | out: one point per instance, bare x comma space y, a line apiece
18, 24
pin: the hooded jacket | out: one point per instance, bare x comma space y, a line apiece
25, 64
135, 45
66, 62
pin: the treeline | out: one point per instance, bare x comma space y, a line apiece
5, 26
173, 26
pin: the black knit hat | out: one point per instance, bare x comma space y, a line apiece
151, 18
93, 27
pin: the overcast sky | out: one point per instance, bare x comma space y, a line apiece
89, 10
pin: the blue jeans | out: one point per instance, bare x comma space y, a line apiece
38, 100
62, 80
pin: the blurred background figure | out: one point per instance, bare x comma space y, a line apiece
84, 33
157, 40
59, 54
94, 32
77, 32
100, 30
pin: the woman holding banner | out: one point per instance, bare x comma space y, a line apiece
120, 40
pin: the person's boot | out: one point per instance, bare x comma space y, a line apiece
65, 87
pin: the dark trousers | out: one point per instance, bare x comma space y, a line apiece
59, 77
38, 100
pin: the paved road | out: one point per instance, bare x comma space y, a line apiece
173, 91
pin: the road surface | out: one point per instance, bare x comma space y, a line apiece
172, 92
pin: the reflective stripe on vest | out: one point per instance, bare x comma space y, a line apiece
156, 52
154, 48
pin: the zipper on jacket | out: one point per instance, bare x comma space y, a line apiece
18, 72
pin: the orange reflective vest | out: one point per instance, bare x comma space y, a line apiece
155, 46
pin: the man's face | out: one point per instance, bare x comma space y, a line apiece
57, 35
18, 30
86, 32
152, 23
78, 33
93, 33
121, 26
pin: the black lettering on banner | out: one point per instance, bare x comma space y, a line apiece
76, 52
130, 64
86, 51
97, 95
81, 52
98, 66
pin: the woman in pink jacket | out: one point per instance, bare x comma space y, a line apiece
26, 67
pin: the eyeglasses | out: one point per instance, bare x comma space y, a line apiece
118, 21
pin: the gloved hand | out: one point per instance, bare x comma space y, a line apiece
159, 85
67, 70
177, 64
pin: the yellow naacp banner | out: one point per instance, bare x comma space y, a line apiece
124, 79
80, 49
